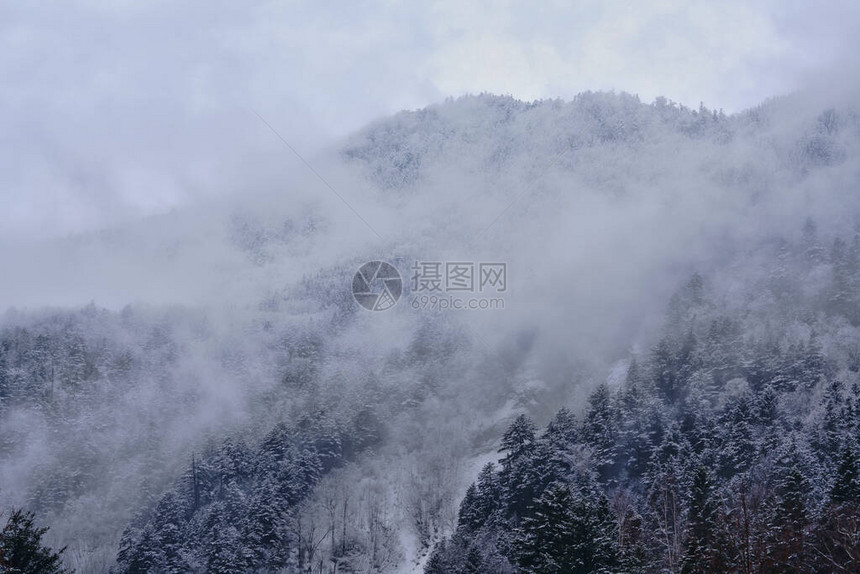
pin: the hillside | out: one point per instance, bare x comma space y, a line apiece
229, 407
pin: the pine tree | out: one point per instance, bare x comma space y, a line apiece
469, 517
664, 373
518, 439
671, 452
298, 475
138, 551
834, 419
838, 534
699, 557
633, 392
169, 535
569, 533
489, 490
266, 514
437, 564
556, 444
224, 554
561, 432
790, 523
846, 486
21, 549
766, 416
474, 562
632, 553
600, 429
520, 477
766, 408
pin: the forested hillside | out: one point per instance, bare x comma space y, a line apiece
730, 446
256, 419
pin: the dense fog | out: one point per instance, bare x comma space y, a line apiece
165, 341
443, 288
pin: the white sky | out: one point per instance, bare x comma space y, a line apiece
114, 109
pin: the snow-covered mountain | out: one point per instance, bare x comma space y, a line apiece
225, 405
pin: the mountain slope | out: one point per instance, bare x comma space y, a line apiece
600, 207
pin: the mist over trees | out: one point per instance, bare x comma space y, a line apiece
672, 386
730, 446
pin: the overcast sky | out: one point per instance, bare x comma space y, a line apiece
114, 109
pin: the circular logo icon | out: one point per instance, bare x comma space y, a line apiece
377, 286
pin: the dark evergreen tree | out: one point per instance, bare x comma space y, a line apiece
834, 420
489, 491
814, 365
169, 537
470, 517
21, 548
846, 485
737, 446
474, 562
600, 429
633, 392
766, 408
520, 477
838, 534
224, 554
570, 532
701, 555
632, 551
519, 439
437, 563
561, 431
664, 371
789, 526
